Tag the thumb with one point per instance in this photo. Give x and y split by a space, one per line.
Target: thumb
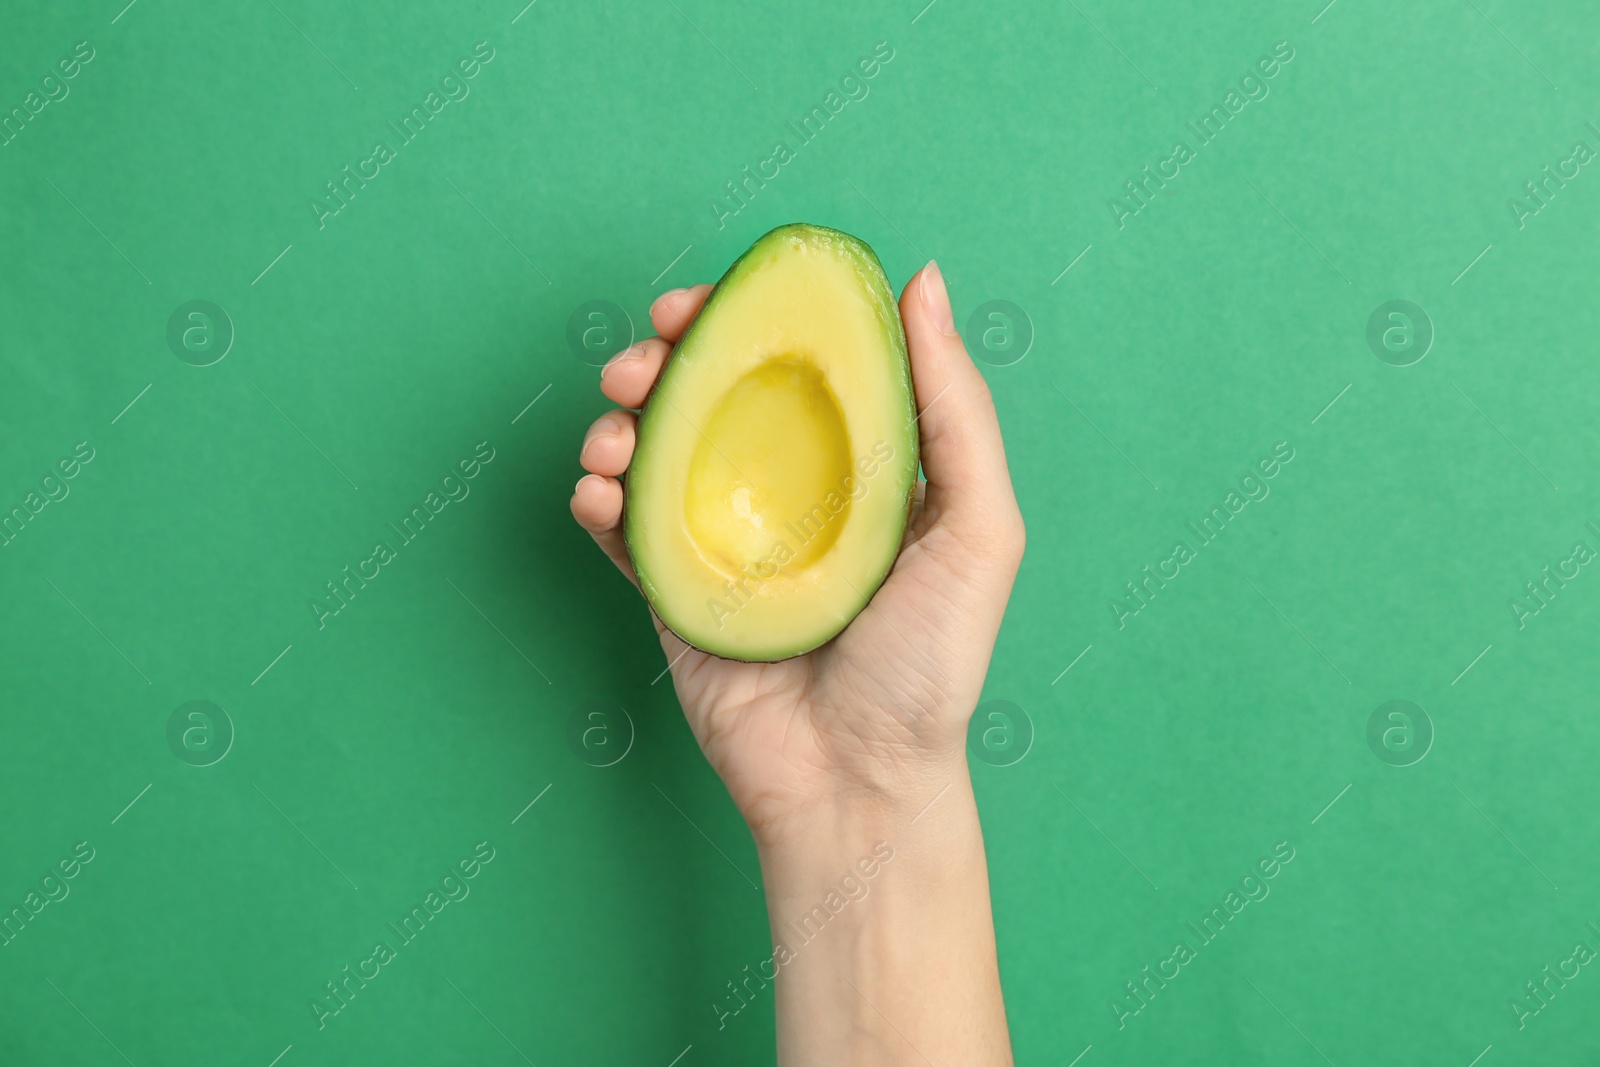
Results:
964 459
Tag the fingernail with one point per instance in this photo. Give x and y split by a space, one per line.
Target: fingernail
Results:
631 352
606 428
937 300
668 295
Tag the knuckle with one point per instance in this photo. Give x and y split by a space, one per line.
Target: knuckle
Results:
983 396
998 540
1017 535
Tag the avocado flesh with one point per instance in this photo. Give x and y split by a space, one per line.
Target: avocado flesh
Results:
777 455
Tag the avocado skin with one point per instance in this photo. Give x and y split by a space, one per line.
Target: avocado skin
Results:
891 314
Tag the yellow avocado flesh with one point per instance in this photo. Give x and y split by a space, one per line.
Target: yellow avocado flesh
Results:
775 444
768 493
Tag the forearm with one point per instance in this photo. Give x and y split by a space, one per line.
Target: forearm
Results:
883 936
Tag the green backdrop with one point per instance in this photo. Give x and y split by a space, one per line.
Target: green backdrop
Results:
478 713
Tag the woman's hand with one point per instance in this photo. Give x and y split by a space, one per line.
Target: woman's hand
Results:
878 716
849 763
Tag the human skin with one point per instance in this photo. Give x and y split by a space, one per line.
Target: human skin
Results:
863 740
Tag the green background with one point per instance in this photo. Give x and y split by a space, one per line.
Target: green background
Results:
377 351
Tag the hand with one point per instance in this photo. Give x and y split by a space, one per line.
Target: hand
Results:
876 718
847 748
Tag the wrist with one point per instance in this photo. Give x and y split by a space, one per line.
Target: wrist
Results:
855 889
856 806
922 833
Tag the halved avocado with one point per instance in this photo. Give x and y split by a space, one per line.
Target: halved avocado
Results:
777 455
